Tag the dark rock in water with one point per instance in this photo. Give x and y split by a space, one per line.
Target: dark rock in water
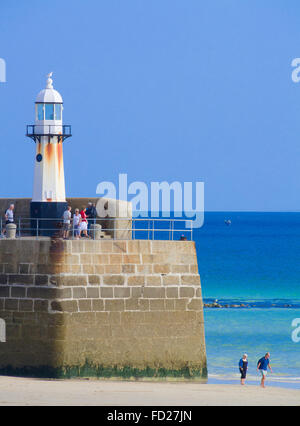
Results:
227 305
212 305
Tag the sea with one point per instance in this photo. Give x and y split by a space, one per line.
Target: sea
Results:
251 259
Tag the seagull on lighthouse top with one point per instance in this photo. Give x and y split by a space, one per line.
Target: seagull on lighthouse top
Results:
49 95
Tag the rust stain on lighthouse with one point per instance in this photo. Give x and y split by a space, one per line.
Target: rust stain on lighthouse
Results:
60 158
49 151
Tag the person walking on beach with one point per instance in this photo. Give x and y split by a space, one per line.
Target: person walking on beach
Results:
243 365
262 366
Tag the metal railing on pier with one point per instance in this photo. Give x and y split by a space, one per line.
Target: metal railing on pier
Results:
114 228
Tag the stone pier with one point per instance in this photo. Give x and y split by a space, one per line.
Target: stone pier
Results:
115 309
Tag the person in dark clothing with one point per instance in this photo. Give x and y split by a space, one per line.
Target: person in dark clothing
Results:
91 214
243 365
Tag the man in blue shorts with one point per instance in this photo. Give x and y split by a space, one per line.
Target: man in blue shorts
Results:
262 366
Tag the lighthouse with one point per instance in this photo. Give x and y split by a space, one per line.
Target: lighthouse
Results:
48 133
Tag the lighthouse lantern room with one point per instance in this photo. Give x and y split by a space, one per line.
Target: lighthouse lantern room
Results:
48 133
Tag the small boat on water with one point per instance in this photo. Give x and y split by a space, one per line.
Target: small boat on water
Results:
227 222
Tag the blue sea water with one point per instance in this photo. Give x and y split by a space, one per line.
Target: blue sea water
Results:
255 260
256 257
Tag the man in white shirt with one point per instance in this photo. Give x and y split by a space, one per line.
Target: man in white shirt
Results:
9 216
67 221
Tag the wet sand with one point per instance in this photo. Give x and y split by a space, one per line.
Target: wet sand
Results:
81 392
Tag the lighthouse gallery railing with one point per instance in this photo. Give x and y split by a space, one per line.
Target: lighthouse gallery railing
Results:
35 131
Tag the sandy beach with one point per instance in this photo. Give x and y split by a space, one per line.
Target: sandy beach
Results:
27 391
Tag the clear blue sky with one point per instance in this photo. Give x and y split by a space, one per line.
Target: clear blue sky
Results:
187 90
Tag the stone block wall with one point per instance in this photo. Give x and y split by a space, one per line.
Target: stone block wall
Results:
124 309
110 210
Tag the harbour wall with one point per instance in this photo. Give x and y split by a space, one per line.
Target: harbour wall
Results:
115 309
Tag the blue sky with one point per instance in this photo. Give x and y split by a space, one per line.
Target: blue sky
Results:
185 90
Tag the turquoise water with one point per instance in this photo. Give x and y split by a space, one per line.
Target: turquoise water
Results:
256 259
232 332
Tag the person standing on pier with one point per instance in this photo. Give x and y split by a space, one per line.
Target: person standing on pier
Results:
9 217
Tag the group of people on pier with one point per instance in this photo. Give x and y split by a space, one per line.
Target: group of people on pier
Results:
81 221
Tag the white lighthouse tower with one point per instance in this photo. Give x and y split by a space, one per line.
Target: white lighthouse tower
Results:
48 132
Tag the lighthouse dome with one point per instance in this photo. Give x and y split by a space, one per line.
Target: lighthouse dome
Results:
49 95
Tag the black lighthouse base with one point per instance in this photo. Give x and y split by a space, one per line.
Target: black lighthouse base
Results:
47 217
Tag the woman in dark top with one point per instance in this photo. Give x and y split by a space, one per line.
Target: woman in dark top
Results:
243 365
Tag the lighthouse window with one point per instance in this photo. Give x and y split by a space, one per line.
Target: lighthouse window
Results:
40 112
49 111
57 112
